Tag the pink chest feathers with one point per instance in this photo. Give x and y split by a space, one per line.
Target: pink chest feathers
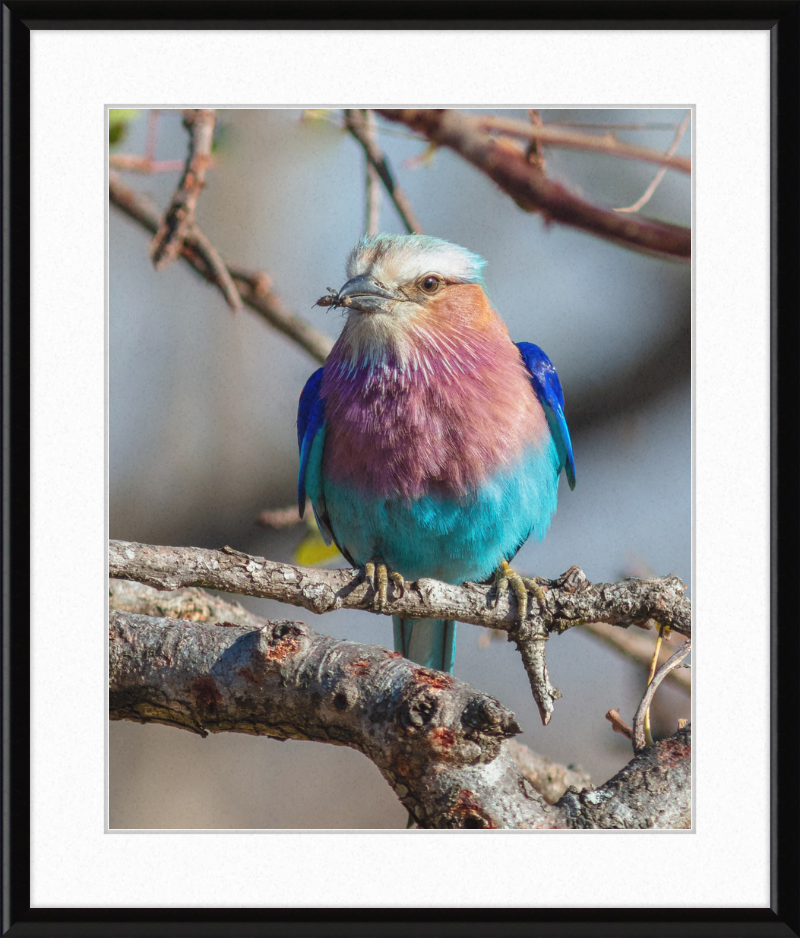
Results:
439 422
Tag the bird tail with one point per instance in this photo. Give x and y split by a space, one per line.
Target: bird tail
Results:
429 642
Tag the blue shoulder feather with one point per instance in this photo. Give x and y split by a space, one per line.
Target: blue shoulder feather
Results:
547 388
310 418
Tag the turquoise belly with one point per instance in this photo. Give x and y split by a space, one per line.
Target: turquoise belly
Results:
449 539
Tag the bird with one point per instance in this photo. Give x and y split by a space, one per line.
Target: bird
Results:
431 445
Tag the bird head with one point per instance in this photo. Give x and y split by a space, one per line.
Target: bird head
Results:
402 286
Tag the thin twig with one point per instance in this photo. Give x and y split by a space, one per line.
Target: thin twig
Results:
254 286
648 192
221 274
179 217
650 674
130 163
618 724
590 143
588 125
357 126
372 223
639 738
507 166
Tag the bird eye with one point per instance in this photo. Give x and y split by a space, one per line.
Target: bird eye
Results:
430 284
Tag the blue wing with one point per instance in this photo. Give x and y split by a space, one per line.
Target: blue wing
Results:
310 439
547 388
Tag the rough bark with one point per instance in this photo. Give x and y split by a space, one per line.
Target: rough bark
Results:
442 746
568 601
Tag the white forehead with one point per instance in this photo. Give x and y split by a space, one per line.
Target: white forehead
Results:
399 259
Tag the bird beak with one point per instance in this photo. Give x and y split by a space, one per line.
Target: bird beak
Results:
366 296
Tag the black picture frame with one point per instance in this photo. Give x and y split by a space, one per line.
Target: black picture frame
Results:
782 18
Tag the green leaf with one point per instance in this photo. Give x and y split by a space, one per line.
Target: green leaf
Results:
118 120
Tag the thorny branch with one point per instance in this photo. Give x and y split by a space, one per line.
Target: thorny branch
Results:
533 191
253 286
568 601
358 126
443 747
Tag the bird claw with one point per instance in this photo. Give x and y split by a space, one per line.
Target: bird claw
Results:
380 572
520 586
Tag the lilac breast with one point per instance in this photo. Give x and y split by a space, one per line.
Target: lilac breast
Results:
434 426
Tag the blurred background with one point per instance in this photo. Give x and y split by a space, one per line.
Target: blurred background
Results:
202 433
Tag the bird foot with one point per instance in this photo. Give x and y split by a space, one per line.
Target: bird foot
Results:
377 574
520 586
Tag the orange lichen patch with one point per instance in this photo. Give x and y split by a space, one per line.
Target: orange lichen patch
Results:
442 738
248 675
437 679
287 646
393 654
358 667
672 752
206 693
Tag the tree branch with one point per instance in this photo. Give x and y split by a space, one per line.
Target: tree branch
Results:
606 143
359 129
179 217
568 601
442 746
254 286
535 192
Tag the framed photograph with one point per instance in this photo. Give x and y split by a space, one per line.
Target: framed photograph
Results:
496 284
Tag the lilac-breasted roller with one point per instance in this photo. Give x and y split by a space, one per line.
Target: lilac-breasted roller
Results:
430 444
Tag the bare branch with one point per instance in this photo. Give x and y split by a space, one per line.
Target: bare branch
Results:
254 289
442 746
358 127
372 222
534 192
618 724
549 778
220 272
130 163
568 601
179 217
639 737
590 143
